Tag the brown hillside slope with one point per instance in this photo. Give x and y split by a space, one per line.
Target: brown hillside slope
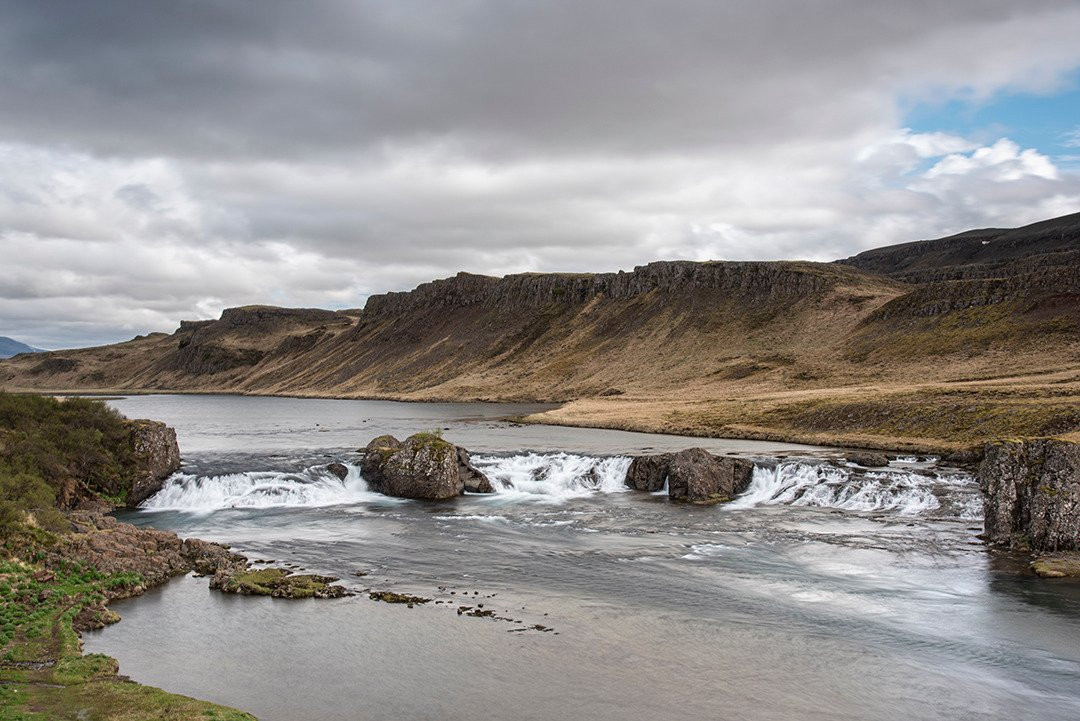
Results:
808 351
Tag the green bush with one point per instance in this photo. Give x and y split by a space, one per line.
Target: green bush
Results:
47 445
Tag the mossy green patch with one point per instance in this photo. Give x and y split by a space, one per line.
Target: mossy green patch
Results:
280 583
1058 565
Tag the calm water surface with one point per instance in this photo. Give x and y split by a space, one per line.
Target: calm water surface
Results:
825 592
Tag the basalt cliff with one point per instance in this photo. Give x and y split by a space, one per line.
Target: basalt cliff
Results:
939 344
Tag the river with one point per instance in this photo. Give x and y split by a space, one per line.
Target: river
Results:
826 591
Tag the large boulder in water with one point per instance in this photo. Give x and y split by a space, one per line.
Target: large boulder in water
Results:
648 473
693 475
422 466
1031 494
157 457
698 476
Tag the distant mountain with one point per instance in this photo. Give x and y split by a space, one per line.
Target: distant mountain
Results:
985 253
10 347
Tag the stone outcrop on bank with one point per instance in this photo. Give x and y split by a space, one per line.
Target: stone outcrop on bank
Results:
114 547
423 466
158 457
692 475
1032 494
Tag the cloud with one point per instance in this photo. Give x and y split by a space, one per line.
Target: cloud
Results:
159 163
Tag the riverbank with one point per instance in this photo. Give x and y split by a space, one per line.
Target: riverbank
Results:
48 600
63 467
56 585
948 419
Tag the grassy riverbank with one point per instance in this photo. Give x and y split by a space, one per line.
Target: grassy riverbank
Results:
43 673
55 456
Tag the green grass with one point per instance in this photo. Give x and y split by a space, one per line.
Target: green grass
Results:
36 626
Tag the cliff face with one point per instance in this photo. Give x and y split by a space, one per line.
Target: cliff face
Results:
765 282
1032 494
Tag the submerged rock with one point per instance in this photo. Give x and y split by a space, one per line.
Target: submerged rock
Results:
869 459
693 475
422 466
1031 494
393 597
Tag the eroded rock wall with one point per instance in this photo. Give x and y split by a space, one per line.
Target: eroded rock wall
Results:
1031 494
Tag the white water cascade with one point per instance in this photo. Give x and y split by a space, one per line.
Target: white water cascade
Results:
314 486
554 476
802 483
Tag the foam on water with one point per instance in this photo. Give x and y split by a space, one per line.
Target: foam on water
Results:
553 476
803 483
313 486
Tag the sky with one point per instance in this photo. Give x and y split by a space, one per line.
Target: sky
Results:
162 161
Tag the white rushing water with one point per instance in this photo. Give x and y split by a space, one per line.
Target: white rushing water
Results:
555 477
314 486
804 483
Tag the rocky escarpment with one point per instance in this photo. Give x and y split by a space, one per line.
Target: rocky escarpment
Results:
423 466
692 475
238 339
1032 494
744 349
765 281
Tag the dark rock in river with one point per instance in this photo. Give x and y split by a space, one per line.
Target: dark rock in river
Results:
339 469
648 473
700 477
423 466
158 457
869 459
693 475
1031 494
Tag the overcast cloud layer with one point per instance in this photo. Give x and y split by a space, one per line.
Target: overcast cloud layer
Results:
161 161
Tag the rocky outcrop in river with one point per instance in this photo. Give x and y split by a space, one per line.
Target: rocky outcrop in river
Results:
1032 494
158 457
422 466
693 475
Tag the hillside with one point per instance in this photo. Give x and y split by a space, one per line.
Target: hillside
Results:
10 347
934 344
